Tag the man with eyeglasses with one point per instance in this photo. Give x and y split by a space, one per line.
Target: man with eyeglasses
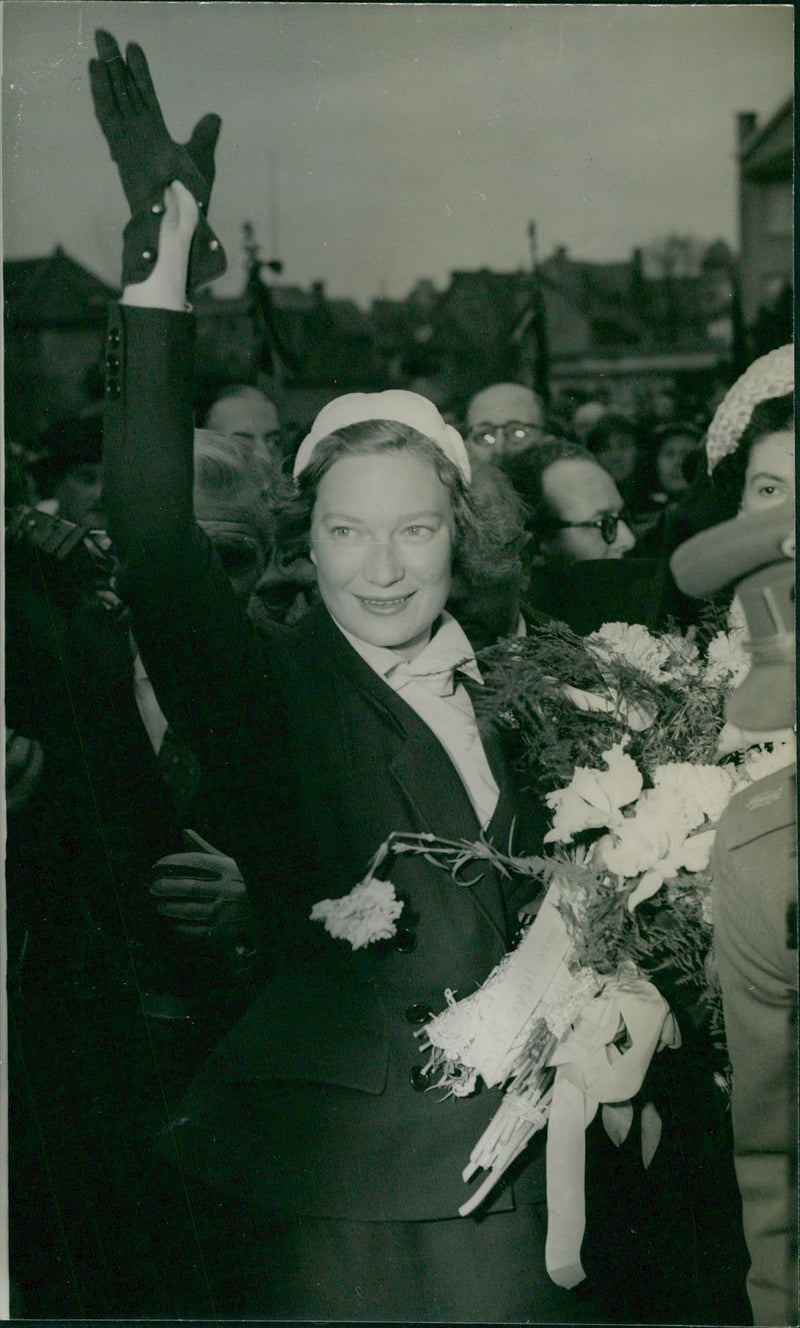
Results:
577 535
503 420
575 512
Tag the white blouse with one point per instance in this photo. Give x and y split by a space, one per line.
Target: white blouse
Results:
428 685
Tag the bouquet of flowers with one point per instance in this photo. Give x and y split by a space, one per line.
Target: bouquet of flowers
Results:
619 734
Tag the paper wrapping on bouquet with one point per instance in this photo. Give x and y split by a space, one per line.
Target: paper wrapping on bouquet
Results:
592 1070
488 1030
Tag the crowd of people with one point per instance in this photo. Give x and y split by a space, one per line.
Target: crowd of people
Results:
233 670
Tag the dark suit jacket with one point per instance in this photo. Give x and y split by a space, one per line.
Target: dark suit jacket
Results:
308 1107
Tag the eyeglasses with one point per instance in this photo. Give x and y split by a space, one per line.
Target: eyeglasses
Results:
514 431
607 525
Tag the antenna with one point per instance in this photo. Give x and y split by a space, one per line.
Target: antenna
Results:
274 214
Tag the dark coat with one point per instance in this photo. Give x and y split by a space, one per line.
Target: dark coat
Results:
308 1107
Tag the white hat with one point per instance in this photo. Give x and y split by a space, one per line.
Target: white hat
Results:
397 406
770 376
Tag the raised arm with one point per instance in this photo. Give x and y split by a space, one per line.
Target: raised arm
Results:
192 633
149 433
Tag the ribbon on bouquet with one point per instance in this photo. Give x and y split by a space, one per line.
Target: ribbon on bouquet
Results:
592 1069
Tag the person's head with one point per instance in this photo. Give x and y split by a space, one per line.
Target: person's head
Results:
761 472
750 442
585 417
244 412
487 585
574 506
674 444
70 469
382 508
230 504
502 420
614 442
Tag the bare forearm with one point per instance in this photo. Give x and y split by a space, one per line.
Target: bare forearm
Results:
166 286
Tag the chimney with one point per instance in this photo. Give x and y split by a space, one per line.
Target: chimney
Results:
532 245
746 122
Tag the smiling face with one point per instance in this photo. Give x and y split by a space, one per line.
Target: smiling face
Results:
381 541
769 478
580 491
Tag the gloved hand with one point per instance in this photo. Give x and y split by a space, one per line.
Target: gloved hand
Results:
202 895
148 160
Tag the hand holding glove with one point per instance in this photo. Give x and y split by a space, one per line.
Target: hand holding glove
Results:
148 160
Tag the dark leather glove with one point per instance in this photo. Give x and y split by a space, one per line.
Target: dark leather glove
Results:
148 160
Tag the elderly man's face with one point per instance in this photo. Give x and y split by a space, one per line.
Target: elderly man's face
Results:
503 420
586 501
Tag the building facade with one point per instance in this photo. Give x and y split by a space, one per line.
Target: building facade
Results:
766 216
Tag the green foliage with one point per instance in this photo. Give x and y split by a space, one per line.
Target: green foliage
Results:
524 681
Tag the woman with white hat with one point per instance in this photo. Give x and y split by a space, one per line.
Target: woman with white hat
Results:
750 441
331 1177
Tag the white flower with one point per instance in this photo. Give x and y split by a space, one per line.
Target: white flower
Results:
727 661
368 913
594 798
696 792
696 852
667 658
637 845
634 644
657 838
648 886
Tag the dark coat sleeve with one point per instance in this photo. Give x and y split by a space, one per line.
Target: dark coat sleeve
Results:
202 654
210 668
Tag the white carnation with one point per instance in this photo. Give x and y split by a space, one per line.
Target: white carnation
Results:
634 644
663 659
727 661
368 913
636 846
696 792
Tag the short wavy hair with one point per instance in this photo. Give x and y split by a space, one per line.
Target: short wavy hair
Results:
727 478
475 539
527 470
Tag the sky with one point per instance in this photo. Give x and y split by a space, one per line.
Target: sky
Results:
375 144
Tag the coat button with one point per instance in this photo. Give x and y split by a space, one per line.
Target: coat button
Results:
112 364
405 940
419 1079
114 337
113 390
419 1013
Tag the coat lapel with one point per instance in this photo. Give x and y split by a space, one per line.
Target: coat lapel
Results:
420 767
